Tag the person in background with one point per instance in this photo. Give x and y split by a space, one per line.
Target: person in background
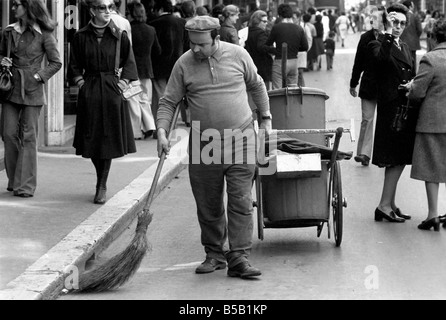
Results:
342 25
391 150
317 49
228 31
172 39
120 21
428 91
330 46
412 32
32 39
202 11
364 68
430 22
302 56
217 91
286 32
103 126
145 43
256 47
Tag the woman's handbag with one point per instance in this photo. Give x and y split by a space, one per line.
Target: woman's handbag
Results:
6 84
405 119
132 88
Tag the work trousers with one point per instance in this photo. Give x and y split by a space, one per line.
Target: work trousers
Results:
365 141
291 73
20 132
208 184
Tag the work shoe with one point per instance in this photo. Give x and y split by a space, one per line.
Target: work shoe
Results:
244 271
365 160
210 265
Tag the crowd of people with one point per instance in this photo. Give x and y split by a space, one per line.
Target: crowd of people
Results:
196 59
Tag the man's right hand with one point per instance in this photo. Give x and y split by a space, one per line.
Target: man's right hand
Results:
163 142
353 92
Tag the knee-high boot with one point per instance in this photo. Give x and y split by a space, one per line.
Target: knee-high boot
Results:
102 170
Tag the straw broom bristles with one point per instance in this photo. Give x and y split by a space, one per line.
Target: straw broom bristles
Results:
118 270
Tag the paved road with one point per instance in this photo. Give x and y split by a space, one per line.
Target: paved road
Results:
377 260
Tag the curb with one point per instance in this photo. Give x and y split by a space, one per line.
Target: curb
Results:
45 279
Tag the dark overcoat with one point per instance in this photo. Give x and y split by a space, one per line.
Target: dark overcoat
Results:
172 38
364 68
394 67
103 126
260 52
145 43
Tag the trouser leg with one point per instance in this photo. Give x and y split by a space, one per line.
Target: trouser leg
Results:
207 182
11 116
365 141
239 179
21 148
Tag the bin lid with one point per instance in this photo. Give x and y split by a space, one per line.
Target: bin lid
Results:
297 91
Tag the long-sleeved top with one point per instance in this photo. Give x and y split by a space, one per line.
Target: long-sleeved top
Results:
365 67
291 34
229 33
429 88
28 49
216 89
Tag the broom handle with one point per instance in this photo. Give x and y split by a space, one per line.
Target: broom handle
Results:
161 160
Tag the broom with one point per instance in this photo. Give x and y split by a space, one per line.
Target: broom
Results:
119 269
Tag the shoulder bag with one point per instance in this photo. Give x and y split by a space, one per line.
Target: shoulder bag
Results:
6 84
132 88
405 119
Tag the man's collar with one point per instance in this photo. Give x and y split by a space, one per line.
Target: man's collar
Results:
17 28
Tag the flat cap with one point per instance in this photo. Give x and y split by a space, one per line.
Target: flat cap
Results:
202 24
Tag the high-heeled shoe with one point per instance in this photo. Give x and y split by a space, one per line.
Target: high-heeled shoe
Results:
391 217
442 218
428 224
398 213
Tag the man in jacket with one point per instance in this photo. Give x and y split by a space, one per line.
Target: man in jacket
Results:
171 35
216 76
364 67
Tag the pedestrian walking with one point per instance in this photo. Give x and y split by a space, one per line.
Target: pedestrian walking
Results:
103 126
256 46
391 150
302 56
216 77
330 47
120 21
412 32
145 43
342 25
317 49
171 36
294 36
364 68
30 39
428 90
228 31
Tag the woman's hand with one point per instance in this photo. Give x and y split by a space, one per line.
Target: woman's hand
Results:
6 62
390 19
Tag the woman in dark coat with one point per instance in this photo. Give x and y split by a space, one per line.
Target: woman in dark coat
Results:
103 127
391 150
256 47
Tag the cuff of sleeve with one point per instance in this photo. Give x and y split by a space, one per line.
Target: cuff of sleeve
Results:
164 124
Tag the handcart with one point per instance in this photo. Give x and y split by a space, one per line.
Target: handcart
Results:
302 193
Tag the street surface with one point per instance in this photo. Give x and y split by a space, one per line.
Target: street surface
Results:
376 260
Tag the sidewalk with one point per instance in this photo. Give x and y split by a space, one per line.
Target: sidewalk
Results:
60 226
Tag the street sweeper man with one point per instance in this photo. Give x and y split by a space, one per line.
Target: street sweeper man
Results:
216 77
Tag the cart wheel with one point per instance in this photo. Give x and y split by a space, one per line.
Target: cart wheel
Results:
337 203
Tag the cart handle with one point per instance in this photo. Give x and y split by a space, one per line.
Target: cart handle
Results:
304 131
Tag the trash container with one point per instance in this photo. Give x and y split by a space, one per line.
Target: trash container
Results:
299 108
